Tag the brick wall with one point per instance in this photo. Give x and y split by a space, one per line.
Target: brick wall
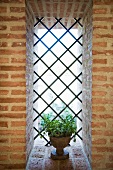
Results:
14 72
102 88
12 84
29 77
87 81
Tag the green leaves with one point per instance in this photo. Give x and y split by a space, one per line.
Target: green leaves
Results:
60 127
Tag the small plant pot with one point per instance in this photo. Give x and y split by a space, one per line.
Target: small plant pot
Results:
60 143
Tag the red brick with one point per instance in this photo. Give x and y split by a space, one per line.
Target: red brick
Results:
3 44
99 93
12 36
97 157
18 140
41 7
111 11
108 85
3 27
3 157
12 84
62 5
102 98
95 165
97 132
100 101
12 52
103 69
18 156
103 149
12 61
83 7
18 60
12 132
99 78
18 92
18 44
108 133
3 92
18 108
100 44
18 123
3 108
3 9
12 18
12 100
100 11
102 116
109 165
12 148
100 61
99 142
11 115
108 19
4 60
4 140
111 78
14 165
103 36
12 68
111 158
13 1
103 2
16 76
4 76
98 124
17 9
103 52
17 28
98 108
105 27
111 140
3 124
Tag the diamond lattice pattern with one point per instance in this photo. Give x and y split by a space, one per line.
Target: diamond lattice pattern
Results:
57 72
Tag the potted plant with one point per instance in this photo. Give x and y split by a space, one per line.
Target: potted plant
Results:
59 131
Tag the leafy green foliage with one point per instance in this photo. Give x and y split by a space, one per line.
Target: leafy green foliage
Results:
60 127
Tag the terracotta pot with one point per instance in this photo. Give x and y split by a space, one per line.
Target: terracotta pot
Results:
60 143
